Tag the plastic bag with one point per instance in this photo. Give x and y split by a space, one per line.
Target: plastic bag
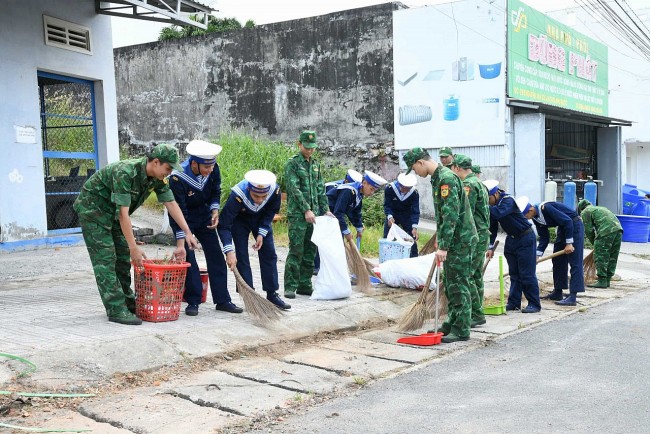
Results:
333 280
408 273
395 233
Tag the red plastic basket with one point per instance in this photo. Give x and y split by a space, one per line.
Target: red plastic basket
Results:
159 289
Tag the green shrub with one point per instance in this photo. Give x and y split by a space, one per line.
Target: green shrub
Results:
373 210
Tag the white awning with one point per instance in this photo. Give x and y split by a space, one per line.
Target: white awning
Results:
166 11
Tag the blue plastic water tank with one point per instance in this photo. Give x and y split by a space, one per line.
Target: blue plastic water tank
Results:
451 108
636 229
570 194
591 192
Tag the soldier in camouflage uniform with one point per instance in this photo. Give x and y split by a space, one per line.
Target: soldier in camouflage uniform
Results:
455 237
305 200
104 205
604 232
476 169
446 156
477 195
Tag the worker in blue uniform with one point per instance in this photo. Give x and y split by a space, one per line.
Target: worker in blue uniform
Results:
347 200
570 237
197 189
351 176
402 207
519 248
250 209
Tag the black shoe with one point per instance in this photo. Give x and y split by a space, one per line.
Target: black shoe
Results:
451 338
303 292
274 298
289 294
555 296
511 308
477 323
315 272
229 307
569 301
530 309
192 310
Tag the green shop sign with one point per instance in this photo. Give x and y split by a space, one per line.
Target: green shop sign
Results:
550 63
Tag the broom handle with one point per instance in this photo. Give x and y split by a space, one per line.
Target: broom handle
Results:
437 293
430 276
544 258
487 261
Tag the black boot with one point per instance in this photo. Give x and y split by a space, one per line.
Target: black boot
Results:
556 295
569 301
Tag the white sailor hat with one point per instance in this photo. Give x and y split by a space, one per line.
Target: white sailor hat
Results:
523 204
407 180
260 181
353 176
203 152
492 186
373 179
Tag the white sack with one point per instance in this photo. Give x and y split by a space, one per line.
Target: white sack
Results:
408 273
333 280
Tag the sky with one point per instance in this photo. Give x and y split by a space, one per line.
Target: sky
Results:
127 31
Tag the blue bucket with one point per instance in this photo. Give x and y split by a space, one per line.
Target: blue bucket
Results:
490 71
636 229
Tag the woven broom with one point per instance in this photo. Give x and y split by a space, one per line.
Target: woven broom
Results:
357 267
257 306
428 247
415 315
589 267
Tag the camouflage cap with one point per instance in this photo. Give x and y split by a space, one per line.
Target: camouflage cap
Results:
476 169
308 139
584 203
166 153
445 152
462 161
412 157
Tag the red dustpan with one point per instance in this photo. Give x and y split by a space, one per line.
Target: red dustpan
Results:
423 340
427 339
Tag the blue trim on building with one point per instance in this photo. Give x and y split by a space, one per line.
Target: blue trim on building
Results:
40 243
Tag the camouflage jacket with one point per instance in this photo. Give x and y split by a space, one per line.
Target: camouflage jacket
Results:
305 187
123 183
477 195
453 216
599 221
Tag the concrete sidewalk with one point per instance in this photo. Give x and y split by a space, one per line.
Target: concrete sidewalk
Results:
51 314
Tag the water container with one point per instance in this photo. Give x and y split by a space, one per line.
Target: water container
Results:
550 191
570 194
636 229
591 191
451 108
642 208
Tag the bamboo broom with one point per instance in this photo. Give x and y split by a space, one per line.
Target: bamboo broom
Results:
428 247
415 315
543 258
358 267
442 304
257 306
589 267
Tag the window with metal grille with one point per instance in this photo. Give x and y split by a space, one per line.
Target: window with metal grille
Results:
66 35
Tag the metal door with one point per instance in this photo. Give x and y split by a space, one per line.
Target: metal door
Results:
69 136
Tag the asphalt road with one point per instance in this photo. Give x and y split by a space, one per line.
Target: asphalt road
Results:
589 372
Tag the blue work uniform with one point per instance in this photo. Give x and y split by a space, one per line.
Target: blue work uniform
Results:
570 230
197 196
404 208
240 217
519 250
347 200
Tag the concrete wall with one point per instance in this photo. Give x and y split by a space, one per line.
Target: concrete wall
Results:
332 73
22 191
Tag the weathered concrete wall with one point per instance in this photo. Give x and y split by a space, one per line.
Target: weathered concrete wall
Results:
331 73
